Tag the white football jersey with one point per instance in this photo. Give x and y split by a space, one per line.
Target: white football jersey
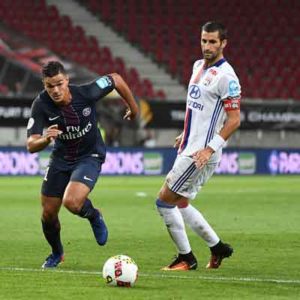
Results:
205 114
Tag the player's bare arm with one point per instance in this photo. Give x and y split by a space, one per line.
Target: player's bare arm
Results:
232 123
125 92
37 142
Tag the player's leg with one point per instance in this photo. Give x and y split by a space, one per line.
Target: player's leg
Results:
169 196
166 206
75 199
199 224
51 198
201 227
51 230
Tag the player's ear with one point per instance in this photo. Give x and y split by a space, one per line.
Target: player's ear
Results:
223 43
44 82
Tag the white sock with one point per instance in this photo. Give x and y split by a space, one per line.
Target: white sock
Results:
175 225
196 221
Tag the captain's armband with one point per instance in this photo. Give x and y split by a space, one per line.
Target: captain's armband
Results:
232 103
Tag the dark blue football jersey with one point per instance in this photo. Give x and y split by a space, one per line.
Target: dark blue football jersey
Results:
78 121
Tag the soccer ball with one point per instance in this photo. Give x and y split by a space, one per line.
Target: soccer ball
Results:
120 270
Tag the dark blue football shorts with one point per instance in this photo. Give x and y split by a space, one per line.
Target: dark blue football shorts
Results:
59 173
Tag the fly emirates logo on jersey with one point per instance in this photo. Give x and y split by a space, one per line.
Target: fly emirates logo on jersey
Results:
75 132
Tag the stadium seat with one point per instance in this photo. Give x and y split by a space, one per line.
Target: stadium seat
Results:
169 32
44 24
161 27
4 90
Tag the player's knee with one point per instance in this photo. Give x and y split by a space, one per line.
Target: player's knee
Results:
163 194
183 203
49 216
72 204
168 196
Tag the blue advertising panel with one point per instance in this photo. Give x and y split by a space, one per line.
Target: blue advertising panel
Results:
259 161
158 161
119 161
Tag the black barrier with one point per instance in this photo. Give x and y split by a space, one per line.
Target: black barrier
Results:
265 115
270 116
14 112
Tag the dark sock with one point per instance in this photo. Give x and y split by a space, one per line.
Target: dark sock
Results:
189 257
88 211
216 249
51 232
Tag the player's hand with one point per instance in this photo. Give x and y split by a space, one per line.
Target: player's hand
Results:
129 115
52 133
202 157
178 140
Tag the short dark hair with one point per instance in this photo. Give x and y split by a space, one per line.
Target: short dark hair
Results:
213 26
52 68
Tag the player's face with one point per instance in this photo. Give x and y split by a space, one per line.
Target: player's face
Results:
58 88
212 46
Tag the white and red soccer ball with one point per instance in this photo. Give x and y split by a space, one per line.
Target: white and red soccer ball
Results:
120 270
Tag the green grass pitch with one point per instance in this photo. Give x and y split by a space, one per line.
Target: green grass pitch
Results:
259 216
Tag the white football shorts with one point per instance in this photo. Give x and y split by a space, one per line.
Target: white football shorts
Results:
185 179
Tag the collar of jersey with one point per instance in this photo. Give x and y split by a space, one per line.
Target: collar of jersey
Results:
218 63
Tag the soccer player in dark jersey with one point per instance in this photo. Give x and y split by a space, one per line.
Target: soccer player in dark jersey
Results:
66 114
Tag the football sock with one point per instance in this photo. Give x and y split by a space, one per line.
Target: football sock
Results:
218 248
189 257
96 220
175 225
88 211
198 224
51 232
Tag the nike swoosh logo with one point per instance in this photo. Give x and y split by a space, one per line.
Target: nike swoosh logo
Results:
53 118
193 265
87 178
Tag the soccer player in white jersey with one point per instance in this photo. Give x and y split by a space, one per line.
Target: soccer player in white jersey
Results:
212 115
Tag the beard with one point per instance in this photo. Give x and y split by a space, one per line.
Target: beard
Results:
209 56
212 57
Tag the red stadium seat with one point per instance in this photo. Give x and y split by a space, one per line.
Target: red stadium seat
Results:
258 47
169 31
44 23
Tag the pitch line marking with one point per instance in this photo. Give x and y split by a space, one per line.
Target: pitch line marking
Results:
157 275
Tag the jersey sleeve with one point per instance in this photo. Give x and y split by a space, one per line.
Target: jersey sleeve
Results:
197 63
37 120
229 87
99 88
